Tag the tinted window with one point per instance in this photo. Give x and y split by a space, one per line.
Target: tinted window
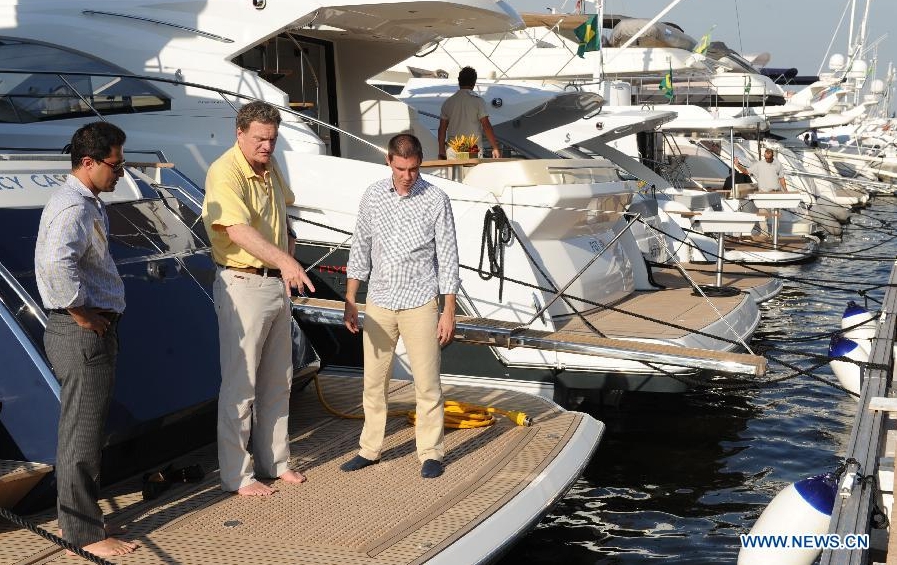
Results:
31 97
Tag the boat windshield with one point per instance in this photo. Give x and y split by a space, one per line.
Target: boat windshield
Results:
161 251
37 97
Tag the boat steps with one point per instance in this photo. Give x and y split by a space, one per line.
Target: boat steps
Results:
17 478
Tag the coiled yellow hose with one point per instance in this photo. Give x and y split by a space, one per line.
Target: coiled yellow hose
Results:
461 415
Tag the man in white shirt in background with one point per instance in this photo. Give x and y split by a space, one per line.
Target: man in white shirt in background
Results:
464 113
769 173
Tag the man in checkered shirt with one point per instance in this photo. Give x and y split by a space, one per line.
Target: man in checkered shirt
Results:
405 247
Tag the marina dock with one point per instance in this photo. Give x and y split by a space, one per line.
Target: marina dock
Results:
868 481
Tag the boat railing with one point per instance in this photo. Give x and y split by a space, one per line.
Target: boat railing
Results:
227 95
166 176
24 308
698 89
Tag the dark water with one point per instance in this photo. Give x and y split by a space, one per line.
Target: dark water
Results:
677 478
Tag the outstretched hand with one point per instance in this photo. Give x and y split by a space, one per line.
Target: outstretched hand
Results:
294 276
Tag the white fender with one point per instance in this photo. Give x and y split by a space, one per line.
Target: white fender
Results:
801 508
848 374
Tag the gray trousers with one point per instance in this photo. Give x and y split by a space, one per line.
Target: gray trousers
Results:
84 363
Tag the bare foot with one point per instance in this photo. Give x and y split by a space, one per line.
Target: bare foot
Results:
294 477
256 488
110 547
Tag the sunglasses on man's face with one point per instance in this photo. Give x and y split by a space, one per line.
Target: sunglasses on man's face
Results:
116 168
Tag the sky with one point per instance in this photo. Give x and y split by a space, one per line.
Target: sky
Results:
795 32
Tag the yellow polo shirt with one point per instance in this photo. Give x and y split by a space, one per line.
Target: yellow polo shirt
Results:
235 194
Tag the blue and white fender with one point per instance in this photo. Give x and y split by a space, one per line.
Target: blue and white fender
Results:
801 508
848 374
864 320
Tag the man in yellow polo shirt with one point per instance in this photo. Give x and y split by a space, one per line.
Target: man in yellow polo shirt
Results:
245 216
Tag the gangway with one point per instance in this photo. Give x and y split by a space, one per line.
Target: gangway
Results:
510 335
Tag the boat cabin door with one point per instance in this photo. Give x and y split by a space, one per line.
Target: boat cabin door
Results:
303 68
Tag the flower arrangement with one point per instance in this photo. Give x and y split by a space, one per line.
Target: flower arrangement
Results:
464 144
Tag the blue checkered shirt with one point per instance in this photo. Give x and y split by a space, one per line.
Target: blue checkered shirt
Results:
72 263
405 246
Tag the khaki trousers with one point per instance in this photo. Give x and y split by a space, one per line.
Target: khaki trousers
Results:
256 375
417 326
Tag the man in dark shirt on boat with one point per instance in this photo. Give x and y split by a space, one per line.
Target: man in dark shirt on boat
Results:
405 246
81 289
244 213
769 173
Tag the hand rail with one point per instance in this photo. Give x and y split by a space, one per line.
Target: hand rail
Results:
27 300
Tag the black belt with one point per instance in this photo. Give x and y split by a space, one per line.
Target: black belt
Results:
260 271
108 314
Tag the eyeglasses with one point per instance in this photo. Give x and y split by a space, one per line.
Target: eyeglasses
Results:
116 168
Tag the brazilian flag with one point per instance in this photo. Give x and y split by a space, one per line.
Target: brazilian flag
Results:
666 85
701 47
587 34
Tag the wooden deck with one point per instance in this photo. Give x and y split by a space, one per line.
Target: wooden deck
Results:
383 514
741 277
671 306
573 336
787 243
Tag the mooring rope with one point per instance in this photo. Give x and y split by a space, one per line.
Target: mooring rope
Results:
497 234
80 552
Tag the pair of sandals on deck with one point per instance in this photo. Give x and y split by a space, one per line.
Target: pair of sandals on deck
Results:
156 483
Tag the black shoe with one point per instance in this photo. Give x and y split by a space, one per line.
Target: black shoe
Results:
154 484
357 462
431 469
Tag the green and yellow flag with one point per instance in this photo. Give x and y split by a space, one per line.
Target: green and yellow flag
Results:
666 85
588 36
702 45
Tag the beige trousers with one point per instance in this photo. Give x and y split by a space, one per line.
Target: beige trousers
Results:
417 326
256 375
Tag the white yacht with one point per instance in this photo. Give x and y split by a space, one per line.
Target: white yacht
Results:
546 51
188 69
499 480
615 133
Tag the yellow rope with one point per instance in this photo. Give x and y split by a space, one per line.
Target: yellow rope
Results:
460 415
